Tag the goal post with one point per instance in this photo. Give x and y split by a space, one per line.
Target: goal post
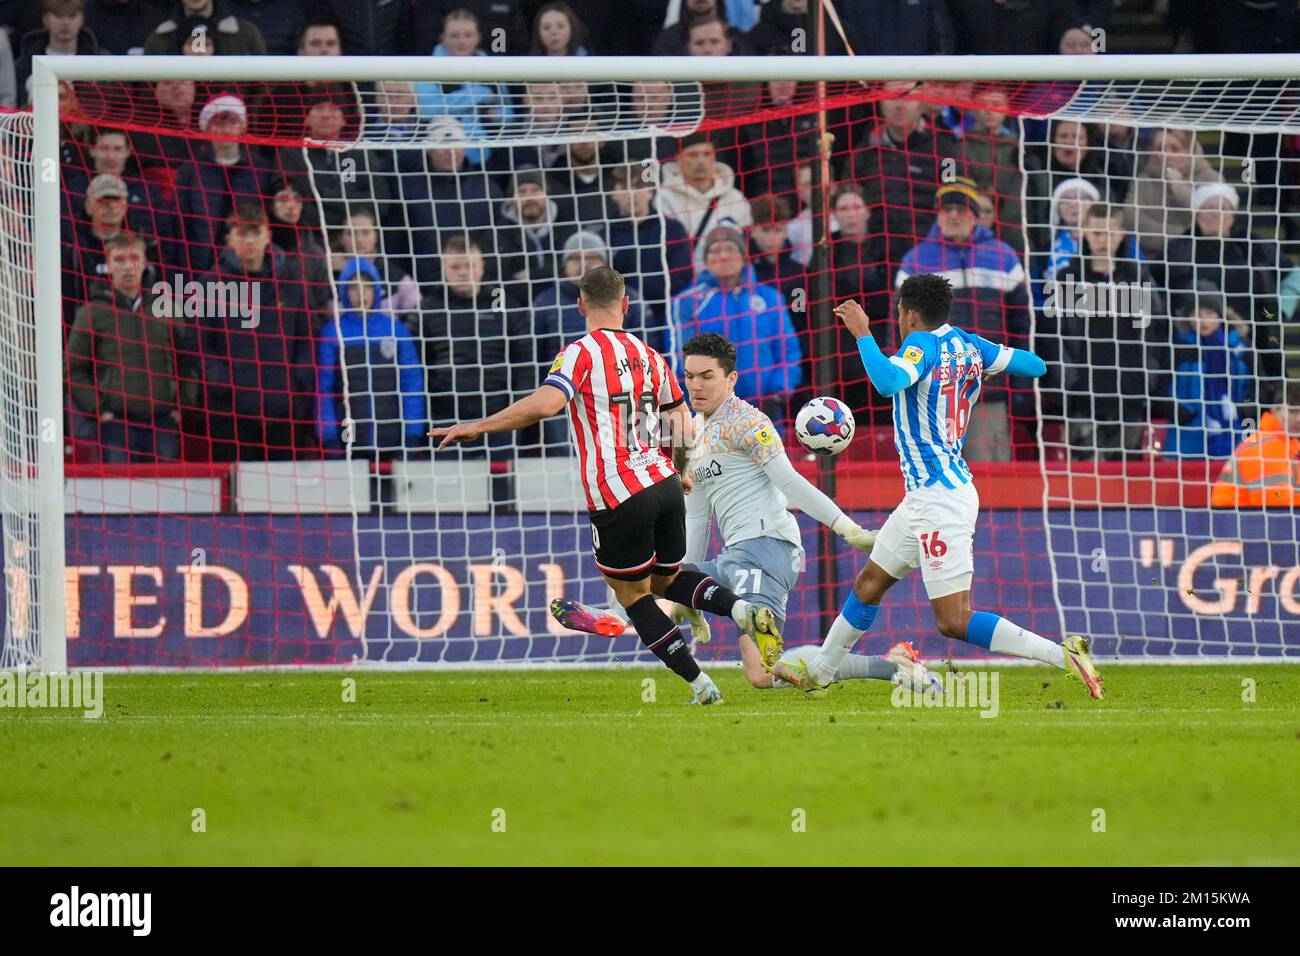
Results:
425 565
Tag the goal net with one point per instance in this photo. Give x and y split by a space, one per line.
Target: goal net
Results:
272 290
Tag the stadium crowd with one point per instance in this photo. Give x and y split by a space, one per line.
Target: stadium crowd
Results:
439 283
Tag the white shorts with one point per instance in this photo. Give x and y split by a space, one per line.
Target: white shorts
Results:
932 529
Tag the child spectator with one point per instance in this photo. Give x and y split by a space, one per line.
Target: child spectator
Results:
557 31
1212 376
371 380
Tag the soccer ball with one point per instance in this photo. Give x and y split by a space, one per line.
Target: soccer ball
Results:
824 426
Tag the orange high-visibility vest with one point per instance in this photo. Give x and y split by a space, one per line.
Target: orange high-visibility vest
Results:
1264 471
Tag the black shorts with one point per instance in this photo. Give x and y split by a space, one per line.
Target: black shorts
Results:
644 535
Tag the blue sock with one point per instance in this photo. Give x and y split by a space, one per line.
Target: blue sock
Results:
979 630
860 615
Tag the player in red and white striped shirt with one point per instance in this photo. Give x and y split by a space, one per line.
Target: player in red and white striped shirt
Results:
618 391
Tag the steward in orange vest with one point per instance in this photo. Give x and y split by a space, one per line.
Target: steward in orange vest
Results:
1264 471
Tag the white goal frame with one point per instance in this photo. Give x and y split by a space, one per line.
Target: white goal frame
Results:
47 71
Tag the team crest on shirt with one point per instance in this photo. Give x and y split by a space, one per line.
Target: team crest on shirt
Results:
559 360
913 354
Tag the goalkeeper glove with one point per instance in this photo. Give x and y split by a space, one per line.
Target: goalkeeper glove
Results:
854 534
700 630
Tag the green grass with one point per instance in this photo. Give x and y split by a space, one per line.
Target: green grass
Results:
588 773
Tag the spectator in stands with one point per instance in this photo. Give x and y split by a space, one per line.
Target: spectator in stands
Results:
769 253
159 153
801 226
295 228
1114 354
85 263
279 21
360 236
342 177
1289 296
995 26
256 339
233 36
557 31
370 27
857 250
642 242
1070 201
573 180
723 100
1069 158
674 39
1220 250
991 152
374 357
502 20
1168 176
152 213
1265 469
727 299
1211 378
649 105
478 345
320 36
63 31
773 147
700 192
442 196
990 298
393 117
883 27
128 363
899 167
483 109
223 173
529 235
122 26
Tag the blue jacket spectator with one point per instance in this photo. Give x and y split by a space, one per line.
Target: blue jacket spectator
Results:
483 109
1212 376
375 355
727 299
990 298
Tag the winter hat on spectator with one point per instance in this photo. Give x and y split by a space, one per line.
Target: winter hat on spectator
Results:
443 129
225 103
105 185
530 175
1207 191
1208 296
724 234
959 192
586 241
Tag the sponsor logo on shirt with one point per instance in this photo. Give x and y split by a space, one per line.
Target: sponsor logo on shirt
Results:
764 435
559 360
913 354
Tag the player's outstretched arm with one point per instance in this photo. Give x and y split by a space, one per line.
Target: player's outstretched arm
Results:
803 494
1026 363
543 403
887 377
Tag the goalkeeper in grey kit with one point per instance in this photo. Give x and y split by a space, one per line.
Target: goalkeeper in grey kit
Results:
738 474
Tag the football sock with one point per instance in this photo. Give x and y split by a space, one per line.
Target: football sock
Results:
698 590
1001 636
862 666
664 638
853 621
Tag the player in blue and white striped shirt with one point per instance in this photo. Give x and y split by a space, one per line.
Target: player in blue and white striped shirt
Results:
935 382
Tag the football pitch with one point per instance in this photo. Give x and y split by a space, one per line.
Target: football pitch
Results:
581 767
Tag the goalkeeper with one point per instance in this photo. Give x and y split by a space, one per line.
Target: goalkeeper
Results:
738 473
